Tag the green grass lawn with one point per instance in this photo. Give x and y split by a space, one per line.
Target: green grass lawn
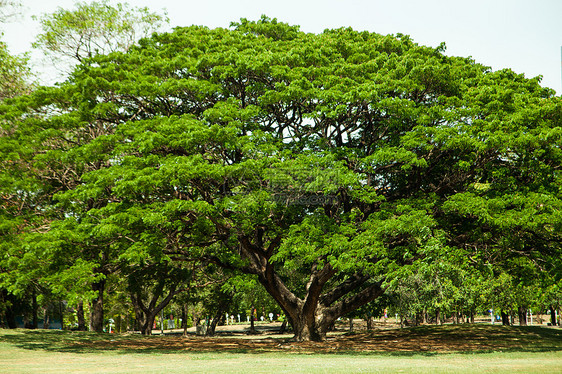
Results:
533 350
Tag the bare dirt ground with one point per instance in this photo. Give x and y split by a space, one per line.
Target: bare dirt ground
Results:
383 338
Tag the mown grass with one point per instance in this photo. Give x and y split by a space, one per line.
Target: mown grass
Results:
530 349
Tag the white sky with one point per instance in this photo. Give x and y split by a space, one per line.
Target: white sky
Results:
524 35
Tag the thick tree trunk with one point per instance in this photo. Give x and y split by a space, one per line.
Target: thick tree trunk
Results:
369 320
306 329
505 318
552 316
96 310
184 314
80 316
253 316
522 314
61 315
421 318
146 313
147 324
34 309
145 318
9 300
283 327
184 318
10 318
312 315
219 315
311 318
46 318
212 327
118 324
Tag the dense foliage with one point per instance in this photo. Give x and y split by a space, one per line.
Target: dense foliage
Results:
330 167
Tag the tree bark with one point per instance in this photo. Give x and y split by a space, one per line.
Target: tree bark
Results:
146 328
253 315
216 319
10 318
283 327
9 300
34 309
369 320
219 315
184 318
312 316
80 316
46 324
146 314
96 313
552 315
505 318
522 314
61 315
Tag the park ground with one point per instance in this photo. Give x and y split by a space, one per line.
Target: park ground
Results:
466 348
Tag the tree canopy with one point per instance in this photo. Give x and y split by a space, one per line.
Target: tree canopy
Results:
8 9
328 166
94 28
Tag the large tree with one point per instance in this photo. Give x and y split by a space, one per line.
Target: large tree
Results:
324 165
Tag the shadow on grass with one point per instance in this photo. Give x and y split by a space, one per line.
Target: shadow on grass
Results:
424 340
468 339
59 341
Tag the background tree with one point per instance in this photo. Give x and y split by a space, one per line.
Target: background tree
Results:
152 288
15 74
14 71
71 36
9 9
99 28
250 296
16 191
551 300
